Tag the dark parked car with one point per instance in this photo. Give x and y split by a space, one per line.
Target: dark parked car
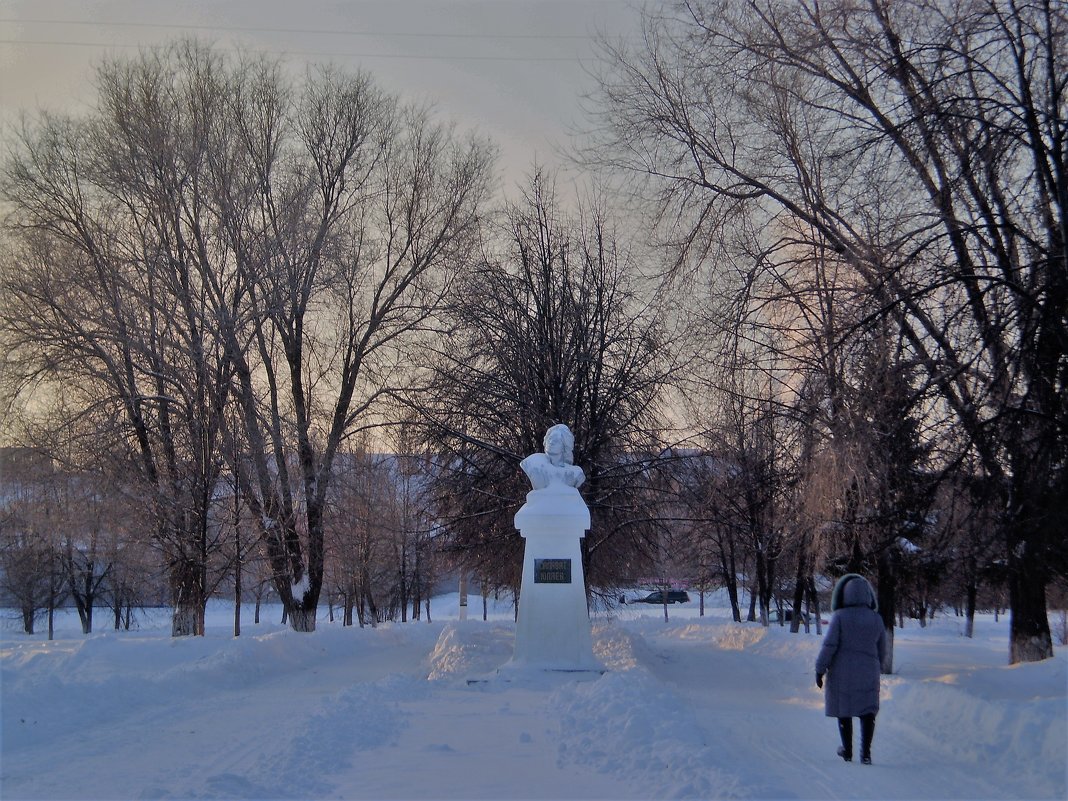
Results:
657 597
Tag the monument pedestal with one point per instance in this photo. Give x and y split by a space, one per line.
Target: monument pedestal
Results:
553 628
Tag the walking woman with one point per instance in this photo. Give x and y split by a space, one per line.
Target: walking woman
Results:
851 658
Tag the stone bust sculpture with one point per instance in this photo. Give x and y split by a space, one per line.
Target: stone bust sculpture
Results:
556 465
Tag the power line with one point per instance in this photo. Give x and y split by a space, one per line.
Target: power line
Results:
347 54
315 31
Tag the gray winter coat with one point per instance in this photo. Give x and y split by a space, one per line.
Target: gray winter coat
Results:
853 650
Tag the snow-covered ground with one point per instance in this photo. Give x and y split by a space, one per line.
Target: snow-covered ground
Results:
691 708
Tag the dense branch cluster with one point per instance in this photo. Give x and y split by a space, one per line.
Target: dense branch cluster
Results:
892 172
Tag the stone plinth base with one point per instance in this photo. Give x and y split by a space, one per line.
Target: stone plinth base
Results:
553 629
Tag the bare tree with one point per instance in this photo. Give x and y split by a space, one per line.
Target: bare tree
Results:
86 557
365 537
922 144
32 575
217 234
101 296
967 533
413 546
61 499
34 580
134 566
362 209
549 328
749 492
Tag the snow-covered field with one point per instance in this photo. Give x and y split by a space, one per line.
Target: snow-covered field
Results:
692 708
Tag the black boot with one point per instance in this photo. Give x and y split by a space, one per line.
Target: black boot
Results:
867 733
845 731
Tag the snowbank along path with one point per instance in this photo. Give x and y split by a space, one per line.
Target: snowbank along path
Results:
694 708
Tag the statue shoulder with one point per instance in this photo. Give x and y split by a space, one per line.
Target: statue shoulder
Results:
535 461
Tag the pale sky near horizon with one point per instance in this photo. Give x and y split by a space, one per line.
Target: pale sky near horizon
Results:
512 69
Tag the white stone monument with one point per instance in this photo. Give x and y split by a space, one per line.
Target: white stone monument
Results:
553 629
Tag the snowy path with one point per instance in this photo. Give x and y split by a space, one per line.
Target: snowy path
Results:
281 716
693 708
765 718
196 722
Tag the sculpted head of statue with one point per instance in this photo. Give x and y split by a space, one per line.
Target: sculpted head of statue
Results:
559 444
556 464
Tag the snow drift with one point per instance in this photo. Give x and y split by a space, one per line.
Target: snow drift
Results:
692 708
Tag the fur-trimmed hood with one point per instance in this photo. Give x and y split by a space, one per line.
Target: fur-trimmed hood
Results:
853 589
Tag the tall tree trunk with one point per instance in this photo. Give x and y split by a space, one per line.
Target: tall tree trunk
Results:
814 604
417 583
237 566
972 593
730 577
85 611
302 618
463 594
189 601
349 600
732 594
1030 639
402 580
184 619
1034 522
799 589
83 597
887 600
237 599
763 585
